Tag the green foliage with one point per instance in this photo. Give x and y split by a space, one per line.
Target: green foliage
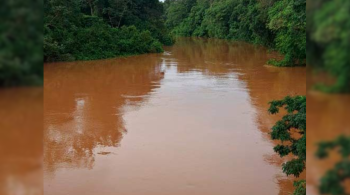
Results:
177 11
20 43
288 19
332 182
96 29
278 24
300 187
191 25
248 23
329 41
291 131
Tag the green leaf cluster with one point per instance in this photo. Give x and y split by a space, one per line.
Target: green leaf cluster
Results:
333 181
291 131
300 187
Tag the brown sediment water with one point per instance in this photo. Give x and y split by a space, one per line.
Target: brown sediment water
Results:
190 121
327 119
21 145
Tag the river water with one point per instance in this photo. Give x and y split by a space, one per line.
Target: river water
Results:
21 141
190 121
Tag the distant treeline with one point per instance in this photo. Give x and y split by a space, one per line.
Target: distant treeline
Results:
96 29
277 24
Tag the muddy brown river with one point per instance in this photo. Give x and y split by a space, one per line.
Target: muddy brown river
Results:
190 121
21 141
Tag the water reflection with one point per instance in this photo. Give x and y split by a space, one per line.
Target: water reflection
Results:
220 58
196 122
215 56
84 106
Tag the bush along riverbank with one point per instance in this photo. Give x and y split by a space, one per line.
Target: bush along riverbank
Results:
87 30
278 24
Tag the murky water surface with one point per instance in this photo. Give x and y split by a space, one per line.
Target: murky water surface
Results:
21 146
327 119
190 121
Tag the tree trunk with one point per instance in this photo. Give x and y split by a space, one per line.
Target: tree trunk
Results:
91 8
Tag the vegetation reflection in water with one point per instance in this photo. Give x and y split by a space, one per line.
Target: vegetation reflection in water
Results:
145 119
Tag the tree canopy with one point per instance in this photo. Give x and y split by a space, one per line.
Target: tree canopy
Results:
329 41
95 29
21 43
278 24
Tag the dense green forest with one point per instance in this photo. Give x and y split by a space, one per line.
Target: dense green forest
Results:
97 29
277 24
21 43
92 29
328 41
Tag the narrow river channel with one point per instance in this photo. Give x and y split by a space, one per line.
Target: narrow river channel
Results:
190 121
